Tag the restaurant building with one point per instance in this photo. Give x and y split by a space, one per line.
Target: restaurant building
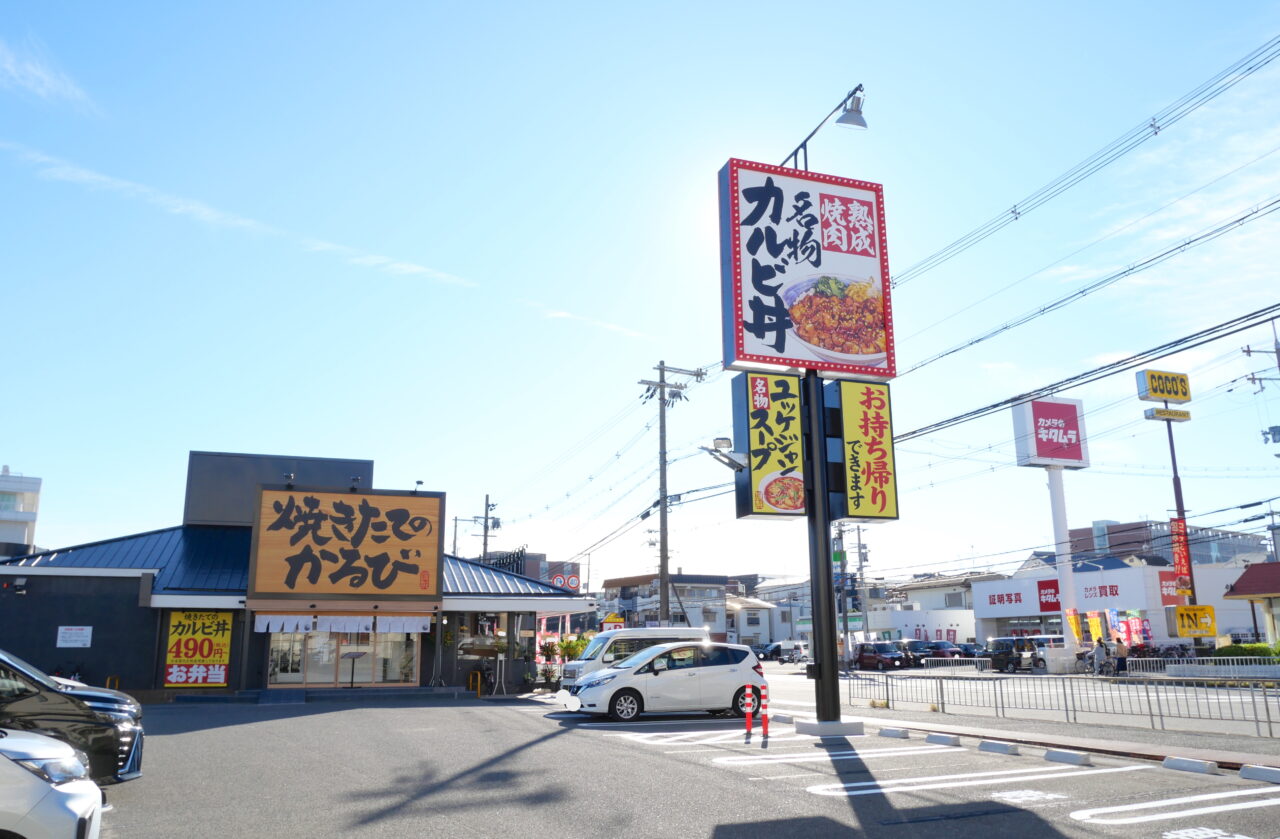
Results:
286 573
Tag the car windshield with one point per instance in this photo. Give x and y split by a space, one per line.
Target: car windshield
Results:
886 648
917 645
943 645
635 659
593 649
35 674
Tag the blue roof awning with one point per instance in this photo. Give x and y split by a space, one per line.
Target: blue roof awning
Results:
214 560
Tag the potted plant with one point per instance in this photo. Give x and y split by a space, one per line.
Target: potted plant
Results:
551 677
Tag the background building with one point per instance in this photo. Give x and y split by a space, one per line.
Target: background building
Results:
19 504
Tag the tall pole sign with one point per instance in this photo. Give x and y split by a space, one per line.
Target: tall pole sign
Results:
805 279
1165 387
1049 433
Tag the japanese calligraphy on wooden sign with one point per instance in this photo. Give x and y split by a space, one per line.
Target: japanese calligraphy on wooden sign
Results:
766 423
371 546
871 484
1050 432
199 649
805 272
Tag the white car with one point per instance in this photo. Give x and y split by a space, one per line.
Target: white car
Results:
680 676
45 791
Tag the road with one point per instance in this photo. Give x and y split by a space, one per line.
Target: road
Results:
426 768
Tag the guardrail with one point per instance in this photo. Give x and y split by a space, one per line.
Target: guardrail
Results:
1253 704
1208 666
981 665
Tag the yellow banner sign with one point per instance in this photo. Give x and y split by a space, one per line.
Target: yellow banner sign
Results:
1196 622
1161 386
1169 414
199 649
766 418
871 482
365 546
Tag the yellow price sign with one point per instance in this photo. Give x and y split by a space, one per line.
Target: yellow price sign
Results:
1196 622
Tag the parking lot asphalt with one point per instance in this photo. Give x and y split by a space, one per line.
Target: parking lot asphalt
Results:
427 767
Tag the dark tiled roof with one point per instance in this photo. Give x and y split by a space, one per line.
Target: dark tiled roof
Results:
1259 580
187 560
213 560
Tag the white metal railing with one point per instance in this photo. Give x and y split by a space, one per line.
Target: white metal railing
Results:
1206 666
979 664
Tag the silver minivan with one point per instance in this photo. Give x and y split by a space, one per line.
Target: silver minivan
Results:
617 644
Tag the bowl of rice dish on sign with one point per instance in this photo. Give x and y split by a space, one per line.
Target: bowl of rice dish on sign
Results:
838 318
784 493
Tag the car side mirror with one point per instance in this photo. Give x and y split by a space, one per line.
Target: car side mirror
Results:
659 665
608 657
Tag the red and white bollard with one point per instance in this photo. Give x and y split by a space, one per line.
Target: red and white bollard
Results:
748 705
764 710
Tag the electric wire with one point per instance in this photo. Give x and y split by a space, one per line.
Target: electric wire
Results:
1100 159
1252 214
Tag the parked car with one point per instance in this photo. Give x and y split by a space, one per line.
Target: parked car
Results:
972 650
671 677
45 791
1010 654
105 724
617 644
796 651
917 649
1040 643
943 649
880 655
772 652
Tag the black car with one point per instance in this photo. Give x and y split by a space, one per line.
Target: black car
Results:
916 651
972 650
105 724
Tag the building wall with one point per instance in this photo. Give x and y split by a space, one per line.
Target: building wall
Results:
124 642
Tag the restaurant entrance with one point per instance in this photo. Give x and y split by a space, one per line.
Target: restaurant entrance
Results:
336 659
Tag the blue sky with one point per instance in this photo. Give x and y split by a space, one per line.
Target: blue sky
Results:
452 239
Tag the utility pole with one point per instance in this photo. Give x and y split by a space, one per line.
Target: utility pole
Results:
660 390
838 547
863 593
488 508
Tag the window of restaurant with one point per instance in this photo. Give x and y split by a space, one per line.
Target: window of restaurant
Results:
333 659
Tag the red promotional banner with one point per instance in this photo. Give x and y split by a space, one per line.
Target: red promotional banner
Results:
1181 555
1048 595
1169 589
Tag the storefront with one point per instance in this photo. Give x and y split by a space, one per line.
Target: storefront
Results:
278 587
1126 600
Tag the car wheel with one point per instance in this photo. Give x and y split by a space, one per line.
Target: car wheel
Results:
625 706
1011 667
740 702
879 665
1040 663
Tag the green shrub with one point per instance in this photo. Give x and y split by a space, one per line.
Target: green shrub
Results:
1237 650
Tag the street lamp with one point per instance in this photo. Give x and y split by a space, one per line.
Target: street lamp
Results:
852 117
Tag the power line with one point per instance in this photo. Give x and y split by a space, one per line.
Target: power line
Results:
1252 214
1191 341
1100 159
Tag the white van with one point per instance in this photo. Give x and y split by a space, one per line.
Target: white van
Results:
617 644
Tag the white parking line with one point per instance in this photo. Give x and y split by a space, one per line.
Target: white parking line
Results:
1091 815
824 757
1015 776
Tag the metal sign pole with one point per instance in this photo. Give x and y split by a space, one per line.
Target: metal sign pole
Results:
821 589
